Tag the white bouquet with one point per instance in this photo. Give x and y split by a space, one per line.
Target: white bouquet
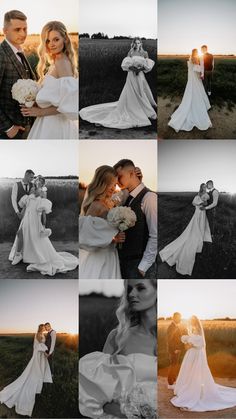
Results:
25 92
121 218
140 403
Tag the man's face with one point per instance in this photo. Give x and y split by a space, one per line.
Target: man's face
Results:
177 319
16 32
204 50
124 176
209 185
29 177
47 327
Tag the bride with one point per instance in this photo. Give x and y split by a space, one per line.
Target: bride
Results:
192 112
56 108
182 251
21 392
195 389
122 380
136 104
98 257
38 250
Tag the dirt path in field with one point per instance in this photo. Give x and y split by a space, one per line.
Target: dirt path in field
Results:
223 122
7 271
91 132
167 410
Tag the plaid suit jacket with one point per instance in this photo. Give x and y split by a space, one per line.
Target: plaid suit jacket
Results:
10 71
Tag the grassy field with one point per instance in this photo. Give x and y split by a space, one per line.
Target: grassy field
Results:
64 217
172 77
220 345
217 260
32 43
57 400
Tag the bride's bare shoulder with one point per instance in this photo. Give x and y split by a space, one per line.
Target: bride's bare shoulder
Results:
63 67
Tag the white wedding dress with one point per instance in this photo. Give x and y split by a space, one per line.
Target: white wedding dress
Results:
104 378
182 251
38 250
192 112
63 94
135 105
21 393
98 256
195 388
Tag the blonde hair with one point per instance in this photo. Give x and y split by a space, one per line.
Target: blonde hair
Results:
95 190
13 14
195 324
44 56
127 318
133 44
194 56
39 334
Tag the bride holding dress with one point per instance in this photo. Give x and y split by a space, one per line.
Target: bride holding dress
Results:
136 104
57 100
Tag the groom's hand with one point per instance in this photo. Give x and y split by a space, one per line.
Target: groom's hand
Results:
14 131
19 215
141 273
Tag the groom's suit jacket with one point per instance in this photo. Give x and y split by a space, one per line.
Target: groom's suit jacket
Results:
11 70
50 341
174 338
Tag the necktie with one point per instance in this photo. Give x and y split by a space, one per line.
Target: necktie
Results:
25 63
26 187
128 200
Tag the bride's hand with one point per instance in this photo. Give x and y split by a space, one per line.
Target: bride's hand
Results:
119 238
34 111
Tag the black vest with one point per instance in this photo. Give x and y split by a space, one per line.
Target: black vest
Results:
48 341
21 191
208 61
210 193
137 236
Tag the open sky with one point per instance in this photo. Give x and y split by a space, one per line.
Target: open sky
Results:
95 153
108 287
43 11
206 299
187 24
24 304
49 158
119 17
184 165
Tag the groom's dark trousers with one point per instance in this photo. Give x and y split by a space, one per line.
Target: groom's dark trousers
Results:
211 215
174 348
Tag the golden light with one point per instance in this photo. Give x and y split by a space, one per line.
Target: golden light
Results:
118 188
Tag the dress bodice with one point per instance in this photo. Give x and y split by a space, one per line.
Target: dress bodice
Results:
137 61
145 366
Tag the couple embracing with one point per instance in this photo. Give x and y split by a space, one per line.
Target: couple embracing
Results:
194 386
118 230
54 114
21 393
32 244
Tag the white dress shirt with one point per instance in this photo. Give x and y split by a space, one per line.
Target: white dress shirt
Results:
14 195
53 343
15 50
149 208
215 196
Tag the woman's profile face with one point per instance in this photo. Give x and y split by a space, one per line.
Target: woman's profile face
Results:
204 188
111 187
141 294
55 42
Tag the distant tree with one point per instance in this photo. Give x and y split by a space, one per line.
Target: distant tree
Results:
99 35
122 37
84 35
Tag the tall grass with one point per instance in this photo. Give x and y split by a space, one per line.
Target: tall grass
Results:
220 346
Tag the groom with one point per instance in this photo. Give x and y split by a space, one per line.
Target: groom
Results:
211 205
175 347
50 342
13 66
208 63
138 253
